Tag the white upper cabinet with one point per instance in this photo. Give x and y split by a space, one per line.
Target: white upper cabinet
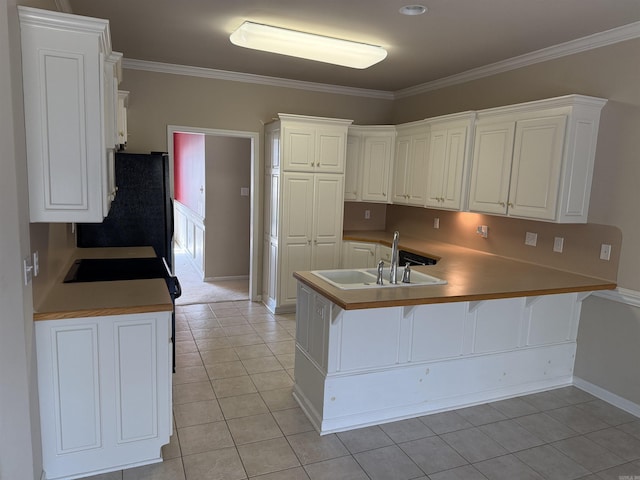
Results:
369 158
535 160
410 164
448 160
69 115
313 144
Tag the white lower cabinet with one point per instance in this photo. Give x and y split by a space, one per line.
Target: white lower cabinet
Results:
356 368
359 255
105 392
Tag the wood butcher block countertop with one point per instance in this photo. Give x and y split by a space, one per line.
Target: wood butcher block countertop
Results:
471 275
93 299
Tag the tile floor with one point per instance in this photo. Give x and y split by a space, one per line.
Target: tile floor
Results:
235 418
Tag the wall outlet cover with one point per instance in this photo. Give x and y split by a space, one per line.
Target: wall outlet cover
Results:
558 244
605 251
531 239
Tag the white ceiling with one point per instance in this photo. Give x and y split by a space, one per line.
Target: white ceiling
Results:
454 36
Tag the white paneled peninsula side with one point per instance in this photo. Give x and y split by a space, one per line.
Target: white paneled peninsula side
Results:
371 356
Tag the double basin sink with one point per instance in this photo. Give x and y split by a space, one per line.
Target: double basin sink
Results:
350 279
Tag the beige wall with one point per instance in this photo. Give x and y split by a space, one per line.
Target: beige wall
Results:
227 213
159 99
611 72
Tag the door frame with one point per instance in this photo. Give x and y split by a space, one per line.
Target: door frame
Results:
254 216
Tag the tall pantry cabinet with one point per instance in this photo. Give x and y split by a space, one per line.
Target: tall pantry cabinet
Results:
304 194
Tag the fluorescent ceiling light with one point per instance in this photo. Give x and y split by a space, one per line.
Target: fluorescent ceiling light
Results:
307 45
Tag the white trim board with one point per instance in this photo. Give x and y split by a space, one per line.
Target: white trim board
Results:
590 42
609 397
620 295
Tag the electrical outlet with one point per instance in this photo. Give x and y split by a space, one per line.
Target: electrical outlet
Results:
605 251
558 244
483 231
367 214
531 239
436 222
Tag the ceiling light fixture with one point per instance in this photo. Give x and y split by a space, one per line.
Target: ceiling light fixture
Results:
307 45
413 10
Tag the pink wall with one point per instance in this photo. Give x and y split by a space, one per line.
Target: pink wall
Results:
188 170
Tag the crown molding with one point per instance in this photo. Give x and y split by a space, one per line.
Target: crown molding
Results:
174 69
590 42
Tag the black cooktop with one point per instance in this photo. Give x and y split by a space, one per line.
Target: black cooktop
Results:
112 269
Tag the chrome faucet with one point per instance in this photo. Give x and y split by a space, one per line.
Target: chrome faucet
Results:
380 268
393 277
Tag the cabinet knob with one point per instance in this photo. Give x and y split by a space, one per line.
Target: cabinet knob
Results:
502 204
384 194
308 242
510 205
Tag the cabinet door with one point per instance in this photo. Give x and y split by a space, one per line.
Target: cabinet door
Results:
436 167
492 153
352 168
376 165
330 150
453 172
298 145
360 255
63 96
416 175
400 165
537 163
327 221
297 230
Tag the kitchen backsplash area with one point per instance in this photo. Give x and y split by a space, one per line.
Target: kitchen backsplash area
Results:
581 244
54 243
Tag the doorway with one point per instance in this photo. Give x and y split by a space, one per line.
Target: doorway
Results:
251 192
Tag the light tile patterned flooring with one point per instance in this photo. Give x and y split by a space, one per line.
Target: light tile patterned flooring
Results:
235 418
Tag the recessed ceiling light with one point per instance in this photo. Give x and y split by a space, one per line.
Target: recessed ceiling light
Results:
413 10
307 45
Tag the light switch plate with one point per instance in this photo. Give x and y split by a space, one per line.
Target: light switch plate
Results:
436 222
558 244
605 251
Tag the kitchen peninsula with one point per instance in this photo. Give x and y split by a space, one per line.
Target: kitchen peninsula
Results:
497 329
104 371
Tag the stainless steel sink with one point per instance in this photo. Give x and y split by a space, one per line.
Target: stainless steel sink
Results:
349 279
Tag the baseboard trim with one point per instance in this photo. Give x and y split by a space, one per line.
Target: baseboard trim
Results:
224 279
620 295
609 397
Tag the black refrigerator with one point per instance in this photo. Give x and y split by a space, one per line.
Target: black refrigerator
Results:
142 212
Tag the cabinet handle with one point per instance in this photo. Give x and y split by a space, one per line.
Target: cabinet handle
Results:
308 242
370 252
315 242
510 205
384 194
502 204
